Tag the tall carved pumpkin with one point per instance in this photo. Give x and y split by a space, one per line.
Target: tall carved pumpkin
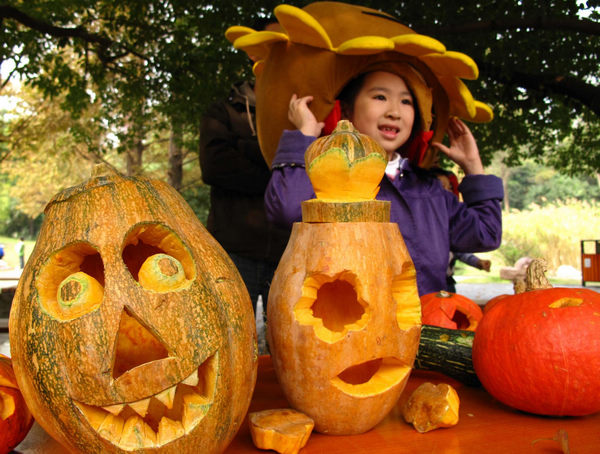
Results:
344 313
131 329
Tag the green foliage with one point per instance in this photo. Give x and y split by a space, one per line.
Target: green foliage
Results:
553 232
533 183
154 61
198 197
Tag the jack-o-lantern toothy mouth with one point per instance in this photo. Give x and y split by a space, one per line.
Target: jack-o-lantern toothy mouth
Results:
371 377
158 419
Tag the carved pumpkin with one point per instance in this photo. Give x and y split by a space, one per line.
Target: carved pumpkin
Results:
344 314
131 328
450 310
345 165
539 351
15 417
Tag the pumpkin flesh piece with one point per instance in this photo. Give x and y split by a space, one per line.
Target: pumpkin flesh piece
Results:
161 273
283 430
431 407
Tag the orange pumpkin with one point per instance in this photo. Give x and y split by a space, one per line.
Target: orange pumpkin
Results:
345 165
450 310
344 313
131 329
539 351
15 417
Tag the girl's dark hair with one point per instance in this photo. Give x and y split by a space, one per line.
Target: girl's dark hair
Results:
349 93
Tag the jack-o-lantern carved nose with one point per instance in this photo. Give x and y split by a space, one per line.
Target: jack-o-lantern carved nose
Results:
136 345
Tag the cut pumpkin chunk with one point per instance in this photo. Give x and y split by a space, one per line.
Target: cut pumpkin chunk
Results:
283 430
432 406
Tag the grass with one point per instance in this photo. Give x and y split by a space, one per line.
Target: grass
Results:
10 256
552 232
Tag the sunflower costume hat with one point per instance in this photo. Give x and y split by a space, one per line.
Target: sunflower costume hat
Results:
326 44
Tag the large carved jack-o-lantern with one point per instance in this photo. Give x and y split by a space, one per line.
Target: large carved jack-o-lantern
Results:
343 313
131 329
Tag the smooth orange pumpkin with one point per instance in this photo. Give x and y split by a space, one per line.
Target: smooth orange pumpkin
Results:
344 315
450 310
15 417
131 328
539 351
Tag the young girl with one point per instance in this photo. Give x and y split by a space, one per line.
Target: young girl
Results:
432 221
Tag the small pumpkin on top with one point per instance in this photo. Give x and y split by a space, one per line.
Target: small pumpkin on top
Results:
346 165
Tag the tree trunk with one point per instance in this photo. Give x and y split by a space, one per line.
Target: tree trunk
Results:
134 158
175 172
505 175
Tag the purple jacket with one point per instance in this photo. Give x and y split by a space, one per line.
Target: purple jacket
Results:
431 219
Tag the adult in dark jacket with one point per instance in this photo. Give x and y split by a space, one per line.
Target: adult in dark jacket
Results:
232 164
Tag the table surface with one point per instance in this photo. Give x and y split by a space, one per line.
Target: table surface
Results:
485 426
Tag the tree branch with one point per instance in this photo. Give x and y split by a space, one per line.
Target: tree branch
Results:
586 94
539 23
102 42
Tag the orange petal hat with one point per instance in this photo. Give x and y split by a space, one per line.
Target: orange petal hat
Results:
324 45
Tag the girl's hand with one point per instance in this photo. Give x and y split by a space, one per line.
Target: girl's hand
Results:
463 148
302 117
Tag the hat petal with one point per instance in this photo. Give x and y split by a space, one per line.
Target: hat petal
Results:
415 44
451 63
365 45
302 28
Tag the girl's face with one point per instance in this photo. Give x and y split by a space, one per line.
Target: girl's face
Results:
384 110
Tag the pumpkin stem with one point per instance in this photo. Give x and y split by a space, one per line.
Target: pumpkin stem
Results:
535 278
344 125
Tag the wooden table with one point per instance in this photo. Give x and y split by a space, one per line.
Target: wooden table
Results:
485 426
